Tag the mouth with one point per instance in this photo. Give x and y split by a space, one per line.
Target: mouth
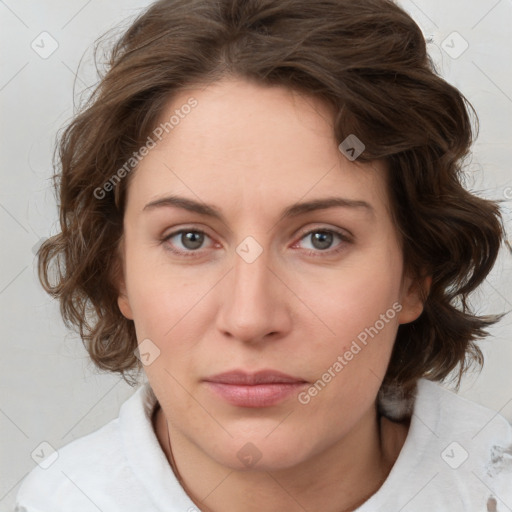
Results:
264 388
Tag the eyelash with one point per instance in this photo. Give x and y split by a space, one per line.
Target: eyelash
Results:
318 253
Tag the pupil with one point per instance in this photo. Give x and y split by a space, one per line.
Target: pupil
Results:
325 240
192 240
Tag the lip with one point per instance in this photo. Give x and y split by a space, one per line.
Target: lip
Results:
263 388
242 378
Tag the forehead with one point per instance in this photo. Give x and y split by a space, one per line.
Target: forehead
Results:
254 146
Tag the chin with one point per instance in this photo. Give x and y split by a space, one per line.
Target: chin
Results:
260 453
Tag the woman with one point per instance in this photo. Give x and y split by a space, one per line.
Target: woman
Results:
261 208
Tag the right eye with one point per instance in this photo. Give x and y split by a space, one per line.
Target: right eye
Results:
190 239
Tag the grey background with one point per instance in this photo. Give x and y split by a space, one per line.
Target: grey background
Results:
49 390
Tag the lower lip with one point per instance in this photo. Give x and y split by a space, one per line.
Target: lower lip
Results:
259 395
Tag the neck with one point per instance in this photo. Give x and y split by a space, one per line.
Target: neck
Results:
337 479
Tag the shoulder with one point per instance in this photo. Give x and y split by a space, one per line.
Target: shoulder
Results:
448 411
465 448
457 456
67 473
80 474
470 435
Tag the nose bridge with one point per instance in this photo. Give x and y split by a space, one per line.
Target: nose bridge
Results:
251 275
253 304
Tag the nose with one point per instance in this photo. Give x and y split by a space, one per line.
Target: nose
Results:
254 301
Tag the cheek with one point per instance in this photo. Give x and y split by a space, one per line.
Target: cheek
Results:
161 298
346 369
358 308
354 297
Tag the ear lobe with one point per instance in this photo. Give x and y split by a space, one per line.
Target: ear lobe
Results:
122 298
414 298
124 306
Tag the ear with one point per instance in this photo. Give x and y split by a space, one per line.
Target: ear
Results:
120 284
414 293
124 304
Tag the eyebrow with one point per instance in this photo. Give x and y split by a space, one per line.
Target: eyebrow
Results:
291 211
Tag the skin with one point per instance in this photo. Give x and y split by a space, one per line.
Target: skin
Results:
251 151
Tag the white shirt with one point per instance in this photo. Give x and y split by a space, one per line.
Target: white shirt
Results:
457 457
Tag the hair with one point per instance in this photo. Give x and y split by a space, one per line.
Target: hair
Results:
369 62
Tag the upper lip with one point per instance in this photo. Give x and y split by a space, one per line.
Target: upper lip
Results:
240 377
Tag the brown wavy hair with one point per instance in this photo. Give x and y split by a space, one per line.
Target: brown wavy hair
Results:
366 59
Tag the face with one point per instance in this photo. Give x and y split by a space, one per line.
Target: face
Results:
236 276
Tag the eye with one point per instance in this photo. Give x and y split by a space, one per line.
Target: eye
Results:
190 239
322 240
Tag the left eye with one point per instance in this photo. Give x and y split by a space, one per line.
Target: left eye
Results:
322 240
